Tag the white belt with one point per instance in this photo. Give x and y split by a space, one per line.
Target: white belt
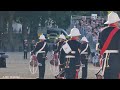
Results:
84 53
73 52
41 52
69 56
111 51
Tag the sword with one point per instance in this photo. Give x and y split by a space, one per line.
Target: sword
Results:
61 72
103 67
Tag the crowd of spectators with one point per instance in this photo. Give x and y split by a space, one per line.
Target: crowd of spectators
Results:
90 27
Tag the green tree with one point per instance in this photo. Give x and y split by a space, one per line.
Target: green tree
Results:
10 30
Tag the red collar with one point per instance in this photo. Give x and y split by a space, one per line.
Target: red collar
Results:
73 38
112 25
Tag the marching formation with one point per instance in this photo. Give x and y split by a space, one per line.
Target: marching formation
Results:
73 53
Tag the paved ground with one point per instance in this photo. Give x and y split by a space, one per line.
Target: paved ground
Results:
18 68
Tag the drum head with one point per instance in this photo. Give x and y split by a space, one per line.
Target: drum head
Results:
33 65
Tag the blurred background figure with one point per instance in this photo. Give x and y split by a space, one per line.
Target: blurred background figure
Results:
25 46
33 45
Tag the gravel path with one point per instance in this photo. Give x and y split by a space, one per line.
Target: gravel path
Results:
18 68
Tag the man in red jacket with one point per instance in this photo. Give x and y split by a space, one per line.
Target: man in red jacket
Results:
109 45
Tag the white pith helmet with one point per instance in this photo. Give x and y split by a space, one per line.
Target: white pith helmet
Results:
84 39
62 36
42 37
74 32
112 18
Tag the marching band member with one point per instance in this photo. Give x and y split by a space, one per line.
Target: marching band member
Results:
70 55
85 52
62 39
25 45
41 50
109 45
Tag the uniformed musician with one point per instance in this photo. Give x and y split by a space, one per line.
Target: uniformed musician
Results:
62 39
85 52
70 54
111 52
41 50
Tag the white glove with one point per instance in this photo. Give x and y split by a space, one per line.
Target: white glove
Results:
39 64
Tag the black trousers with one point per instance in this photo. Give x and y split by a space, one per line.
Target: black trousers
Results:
85 68
70 73
25 55
112 72
42 71
41 60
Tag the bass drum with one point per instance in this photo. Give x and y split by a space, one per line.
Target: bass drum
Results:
33 64
55 60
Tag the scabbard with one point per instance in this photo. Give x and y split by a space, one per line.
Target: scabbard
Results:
76 76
